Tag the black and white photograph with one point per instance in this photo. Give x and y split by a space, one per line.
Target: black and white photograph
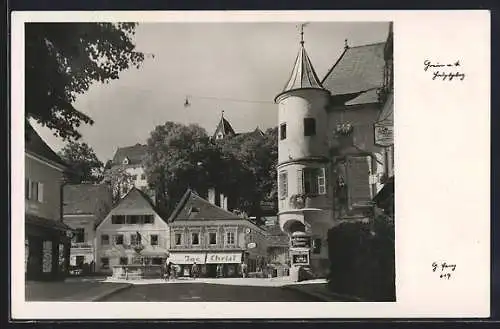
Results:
224 161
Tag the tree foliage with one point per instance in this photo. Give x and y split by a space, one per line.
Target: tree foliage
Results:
119 180
62 60
84 164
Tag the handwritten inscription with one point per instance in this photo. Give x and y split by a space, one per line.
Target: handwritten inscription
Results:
444 269
445 72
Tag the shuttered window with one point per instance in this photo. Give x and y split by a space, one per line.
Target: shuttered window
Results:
358 180
314 181
300 181
40 192
283 184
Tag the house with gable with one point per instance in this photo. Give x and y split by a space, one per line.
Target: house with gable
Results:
130 159
133 232
84 206
209 235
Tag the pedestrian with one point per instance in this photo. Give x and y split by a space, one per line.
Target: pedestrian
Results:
219 270
194 270
244 269
166 273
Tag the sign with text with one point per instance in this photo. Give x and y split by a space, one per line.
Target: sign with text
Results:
300 258
384 134
301 241
224 258
187 258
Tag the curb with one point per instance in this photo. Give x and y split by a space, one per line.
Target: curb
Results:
109 293
326 297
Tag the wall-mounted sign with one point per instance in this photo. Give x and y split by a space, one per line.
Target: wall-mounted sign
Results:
300 258
384 134
251 245
300 242
187 258
225 258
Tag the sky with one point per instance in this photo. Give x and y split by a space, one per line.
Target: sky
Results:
237 68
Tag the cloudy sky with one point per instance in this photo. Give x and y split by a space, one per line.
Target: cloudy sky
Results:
235 67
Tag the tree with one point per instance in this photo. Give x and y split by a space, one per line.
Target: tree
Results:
119 180
258 156
63 60
181 157
84 164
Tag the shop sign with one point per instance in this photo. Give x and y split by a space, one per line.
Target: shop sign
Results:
184 258
301 241
300 258
384 134
225 258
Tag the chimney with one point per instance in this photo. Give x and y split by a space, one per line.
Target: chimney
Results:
223 201
211 196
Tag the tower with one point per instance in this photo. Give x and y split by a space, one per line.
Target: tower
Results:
305 198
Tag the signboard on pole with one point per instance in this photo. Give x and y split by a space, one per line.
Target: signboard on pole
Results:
384 134
299 257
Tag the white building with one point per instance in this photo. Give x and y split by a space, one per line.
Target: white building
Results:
132 233
130 158
329 166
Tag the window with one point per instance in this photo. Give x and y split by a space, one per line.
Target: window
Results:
154 240
118 219
105 263
33 190
282 131
133 219
309 127
230 238
148 219
178 239
314 181
27 190
123 261
283 184
212 238
104 239
119 239
135 239
134 177
143 176
79 236
316 248
195 238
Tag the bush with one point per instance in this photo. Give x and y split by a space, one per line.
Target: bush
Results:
362 259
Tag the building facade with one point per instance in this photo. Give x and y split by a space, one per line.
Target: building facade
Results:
132 233
47 238
204 233
330 168
85 205
129 159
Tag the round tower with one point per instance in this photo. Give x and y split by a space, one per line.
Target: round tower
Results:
305 197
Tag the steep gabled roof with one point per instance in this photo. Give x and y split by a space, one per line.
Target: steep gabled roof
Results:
193 207
34 144
134 154
358 72
86 198
303 74
225 127
134 202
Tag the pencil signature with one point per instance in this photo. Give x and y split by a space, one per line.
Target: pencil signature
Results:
444 269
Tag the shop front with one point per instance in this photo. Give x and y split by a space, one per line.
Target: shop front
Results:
185 260
47 248
228 262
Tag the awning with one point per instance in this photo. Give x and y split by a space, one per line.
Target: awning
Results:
154 252
187 258
224 258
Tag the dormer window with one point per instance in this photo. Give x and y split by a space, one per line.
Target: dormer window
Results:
126 161
219 136
193 211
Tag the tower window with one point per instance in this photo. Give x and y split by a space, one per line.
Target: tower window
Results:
309 127
314 181
282 131
283 184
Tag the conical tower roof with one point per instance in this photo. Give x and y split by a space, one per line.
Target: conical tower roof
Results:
303 75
